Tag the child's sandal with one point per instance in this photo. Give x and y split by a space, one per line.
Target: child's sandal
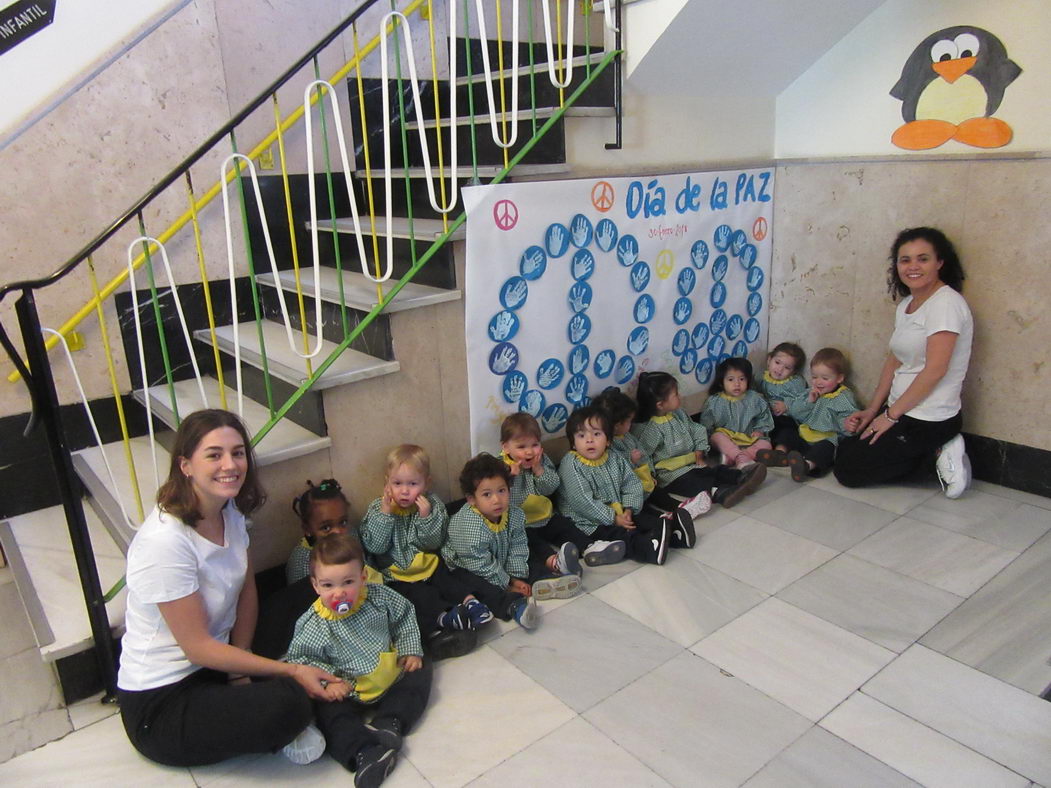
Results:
772 458
797 465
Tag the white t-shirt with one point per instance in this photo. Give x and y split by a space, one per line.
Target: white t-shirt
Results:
946 310
169 560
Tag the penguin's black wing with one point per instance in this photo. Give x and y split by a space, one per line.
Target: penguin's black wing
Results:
916 75
994 69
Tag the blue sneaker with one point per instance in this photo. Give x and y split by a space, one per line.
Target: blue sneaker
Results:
455 618
477 612
526 614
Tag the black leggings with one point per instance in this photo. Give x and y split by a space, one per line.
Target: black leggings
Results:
821 453
898 453
433 596
202 719
691 483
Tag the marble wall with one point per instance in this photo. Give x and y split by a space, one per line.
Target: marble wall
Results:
833 228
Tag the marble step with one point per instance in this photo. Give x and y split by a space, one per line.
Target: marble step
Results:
351 365
284 442
428 229
522 116
38 543
359 292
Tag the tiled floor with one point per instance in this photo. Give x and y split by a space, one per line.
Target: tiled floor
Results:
816 636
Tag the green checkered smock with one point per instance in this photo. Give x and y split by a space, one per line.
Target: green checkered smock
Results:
625 444
396 538
826 415
784 390
493 552
527 483
590 487
668 436
298 565
745 414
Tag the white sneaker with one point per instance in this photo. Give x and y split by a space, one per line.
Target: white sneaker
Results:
954 468
697 505
600 553
307 747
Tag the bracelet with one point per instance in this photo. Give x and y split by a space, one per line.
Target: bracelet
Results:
887 416
231 677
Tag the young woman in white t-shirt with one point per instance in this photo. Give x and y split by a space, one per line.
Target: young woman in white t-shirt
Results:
183 684
915 410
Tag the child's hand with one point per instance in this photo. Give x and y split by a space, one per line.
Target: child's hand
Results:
624 520
424 505
517 586
516 468
387 500
636 456
410 663
757 433
698 457
538 463
338 690
812 395
778 407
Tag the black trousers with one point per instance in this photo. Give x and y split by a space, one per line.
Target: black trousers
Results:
785 428
278 614
899 452
433 596
343 721
822 453
559 529
637 540
202 719
501 601
693 482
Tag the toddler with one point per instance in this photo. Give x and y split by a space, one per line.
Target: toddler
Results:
533 480
677 446
821 415
737 418
366 634
403 532
780 384
487 546
603 496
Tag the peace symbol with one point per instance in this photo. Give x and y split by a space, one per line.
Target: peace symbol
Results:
505 214
602 195
665 263
759 229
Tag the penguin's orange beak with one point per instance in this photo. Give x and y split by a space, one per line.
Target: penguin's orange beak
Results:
952 70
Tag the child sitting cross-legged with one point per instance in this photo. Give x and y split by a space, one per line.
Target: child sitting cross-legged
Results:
403 532
738 419
487 547
367 635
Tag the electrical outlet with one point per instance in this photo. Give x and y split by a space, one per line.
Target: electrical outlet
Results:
266 159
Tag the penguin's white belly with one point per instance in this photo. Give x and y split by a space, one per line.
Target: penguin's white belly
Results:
965 98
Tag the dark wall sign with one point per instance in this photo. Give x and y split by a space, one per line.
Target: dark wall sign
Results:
22 19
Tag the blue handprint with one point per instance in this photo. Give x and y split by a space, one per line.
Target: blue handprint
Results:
683 310
627 250
718 295
606 234
717 322
514 385
737 242
503 325
513 293
755 304
699 254
716 346
720 267
723 234
688 361
554 417
748 255
579 328
704 370
755 278
740 349
751 330
549 373
700 335
604 362
638 340
583 264
687 279
556 239
640 276
580 227
625 370
734 326
644 308
579 357
533 263
579 297
532 402
681 342
577 389
503 358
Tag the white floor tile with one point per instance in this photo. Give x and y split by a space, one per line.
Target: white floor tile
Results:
695 725
575 754
277 770
585 652
946 559
997 720
482 711
91 710
824 517
817 759
100 755
883 606
775 488
794 657
914 749
683 600
1040 501
1006 524
897 498
759 554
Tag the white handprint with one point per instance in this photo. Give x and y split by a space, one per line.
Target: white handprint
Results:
680 343
625 369
682 311
639 277
603 363
504 360
637 343
722 234
515 388
532 261
582 264
700 256
580 231
504 322
555 239
578 298
642 312
553 420
606 236
547 375
576 329
575 389
534 402
516 293
578 360
687 279
626 254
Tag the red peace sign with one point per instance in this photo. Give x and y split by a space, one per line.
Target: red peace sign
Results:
759 229
602 196
505 214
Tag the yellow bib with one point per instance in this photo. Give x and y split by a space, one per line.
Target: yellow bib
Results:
674 463
617 507
739 438
373 576
537 508
643 472
372 685
813 436
422 567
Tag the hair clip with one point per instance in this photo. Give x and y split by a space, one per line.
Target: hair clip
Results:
329 485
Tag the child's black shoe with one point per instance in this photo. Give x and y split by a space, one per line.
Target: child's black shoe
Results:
386 731
374 763
445 644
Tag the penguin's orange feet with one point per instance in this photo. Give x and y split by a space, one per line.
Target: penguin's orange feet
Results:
923 134
984 133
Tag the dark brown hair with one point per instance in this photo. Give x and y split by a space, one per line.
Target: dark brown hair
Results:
616 405
335 549
581 416
654 387
484 466
176 495
303 505
833 359
519 424
742 365
793 351
951 272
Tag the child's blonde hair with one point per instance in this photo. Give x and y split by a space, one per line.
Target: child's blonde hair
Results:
409 454
520 423
832 358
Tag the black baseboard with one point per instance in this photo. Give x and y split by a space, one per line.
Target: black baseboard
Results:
1010 464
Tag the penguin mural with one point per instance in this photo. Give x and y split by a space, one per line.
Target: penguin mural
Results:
950 87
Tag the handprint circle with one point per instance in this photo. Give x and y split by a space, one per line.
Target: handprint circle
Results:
604 363
503 326
532 263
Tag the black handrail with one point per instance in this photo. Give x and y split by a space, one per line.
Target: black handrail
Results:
618 81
